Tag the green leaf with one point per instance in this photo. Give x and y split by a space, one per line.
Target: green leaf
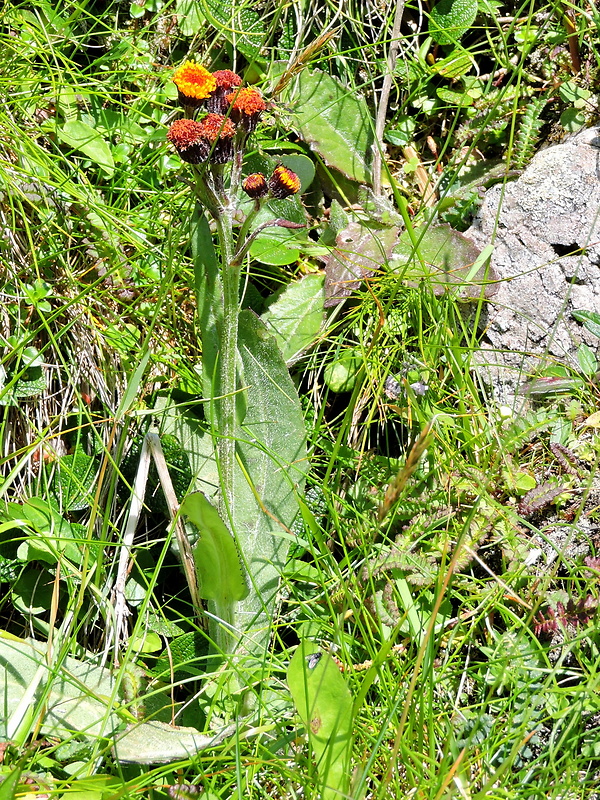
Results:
191 19
239 23
304 168
94 787
324 704
186 653
272 463
31 383
78 698
403 131
10 783
590 320
32 592
341 374
137 10
159 743
296 316
209 297
335 122
455 65
451 19
278 246
48 536
454 98
588 362
148 642
220 576
195 439
84 138
572 120
73 480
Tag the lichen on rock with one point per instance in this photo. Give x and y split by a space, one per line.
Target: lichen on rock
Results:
546 230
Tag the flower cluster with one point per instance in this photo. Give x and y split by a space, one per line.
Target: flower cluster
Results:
231 110
195 142
219 135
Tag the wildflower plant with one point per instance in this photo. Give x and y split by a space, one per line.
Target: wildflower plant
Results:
256 424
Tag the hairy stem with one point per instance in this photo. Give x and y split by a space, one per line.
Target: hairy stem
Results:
230 276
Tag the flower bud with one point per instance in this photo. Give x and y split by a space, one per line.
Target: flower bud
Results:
255 185
283 182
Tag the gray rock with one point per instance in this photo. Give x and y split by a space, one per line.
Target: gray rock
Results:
546 230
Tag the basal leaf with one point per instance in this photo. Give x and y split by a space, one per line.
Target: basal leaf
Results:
209 297
458 63
239 23
360 251
79 699
191 18
73 480
10 784
275 245
335 122
303 166
88 141
590 319
448 261
272 462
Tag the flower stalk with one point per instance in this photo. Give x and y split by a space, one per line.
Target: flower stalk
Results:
220 115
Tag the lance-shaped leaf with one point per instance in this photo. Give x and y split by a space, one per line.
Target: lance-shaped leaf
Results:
209 297
324 704
220 576
448 261
271 463
296 316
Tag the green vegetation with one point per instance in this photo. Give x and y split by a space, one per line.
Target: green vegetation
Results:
263 530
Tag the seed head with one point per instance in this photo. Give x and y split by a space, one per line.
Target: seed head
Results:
218 132
226 81
187 138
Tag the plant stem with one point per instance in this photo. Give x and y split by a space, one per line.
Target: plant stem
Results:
230 276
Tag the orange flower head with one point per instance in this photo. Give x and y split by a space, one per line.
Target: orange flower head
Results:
246 107
283 182
194 83
226 81
216 126
255 185
218 132
187 138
